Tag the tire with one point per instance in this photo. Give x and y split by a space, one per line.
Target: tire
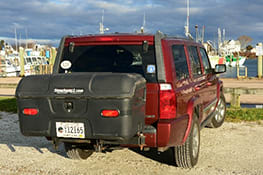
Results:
220 114
186 155
77 152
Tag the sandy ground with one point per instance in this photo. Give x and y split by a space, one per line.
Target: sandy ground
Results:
232 149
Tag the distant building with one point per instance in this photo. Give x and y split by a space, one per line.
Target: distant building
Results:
229 47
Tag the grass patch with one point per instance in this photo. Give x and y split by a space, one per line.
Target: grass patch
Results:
244 114
8 104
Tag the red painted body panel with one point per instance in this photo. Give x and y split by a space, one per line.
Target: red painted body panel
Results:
174 132
171 132
169 70
193 92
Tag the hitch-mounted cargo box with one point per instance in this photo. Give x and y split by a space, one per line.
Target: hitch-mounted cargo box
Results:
107 106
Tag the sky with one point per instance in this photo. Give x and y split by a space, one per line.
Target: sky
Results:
47 21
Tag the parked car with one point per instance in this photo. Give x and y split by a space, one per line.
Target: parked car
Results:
124 90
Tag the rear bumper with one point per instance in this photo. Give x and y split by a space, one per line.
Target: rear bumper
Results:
117 132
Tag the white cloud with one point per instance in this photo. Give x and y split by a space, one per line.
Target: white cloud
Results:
258 27
114 7
193 10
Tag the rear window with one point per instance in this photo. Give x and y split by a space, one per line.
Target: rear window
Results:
112 58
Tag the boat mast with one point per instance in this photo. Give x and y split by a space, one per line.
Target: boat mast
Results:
188 16
19 43
219 40
187 31
143 24
101 23
224 35
26 38
102 29
196 33
15 38
203 34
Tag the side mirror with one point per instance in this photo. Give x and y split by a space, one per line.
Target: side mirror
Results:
220 68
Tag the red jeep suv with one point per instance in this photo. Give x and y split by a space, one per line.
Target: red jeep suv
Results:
124 90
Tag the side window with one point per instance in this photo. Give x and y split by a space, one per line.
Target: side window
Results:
205 60
180 62
194 60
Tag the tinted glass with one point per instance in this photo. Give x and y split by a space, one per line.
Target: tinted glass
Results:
180 62
205 60
111 58
194 61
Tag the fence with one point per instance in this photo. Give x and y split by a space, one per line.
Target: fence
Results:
40 69
236 92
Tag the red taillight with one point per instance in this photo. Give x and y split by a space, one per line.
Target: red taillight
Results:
30 111
110 113
167 102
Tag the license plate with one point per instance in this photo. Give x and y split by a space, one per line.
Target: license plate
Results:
70 130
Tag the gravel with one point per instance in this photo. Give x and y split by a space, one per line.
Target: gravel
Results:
235 148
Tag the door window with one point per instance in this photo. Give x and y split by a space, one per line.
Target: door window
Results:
206 64
180 62
194 61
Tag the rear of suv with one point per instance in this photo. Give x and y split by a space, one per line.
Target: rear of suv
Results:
182 94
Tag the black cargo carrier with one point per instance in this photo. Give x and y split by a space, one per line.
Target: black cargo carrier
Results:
83 106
